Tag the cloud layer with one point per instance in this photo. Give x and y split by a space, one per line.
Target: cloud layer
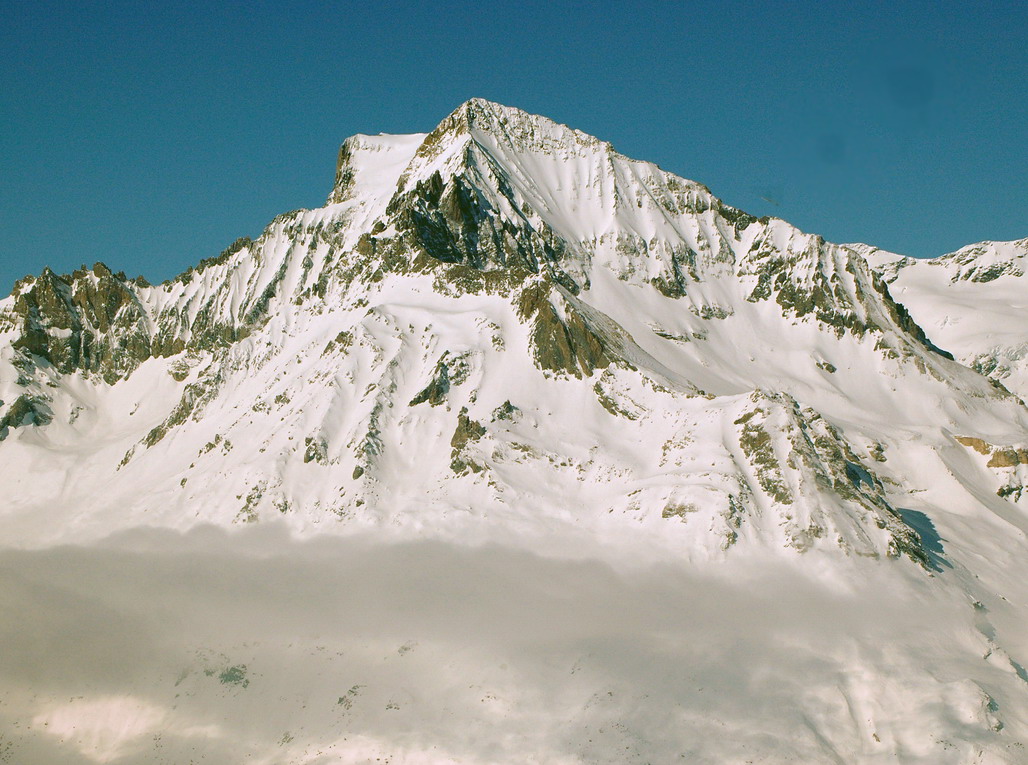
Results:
157 647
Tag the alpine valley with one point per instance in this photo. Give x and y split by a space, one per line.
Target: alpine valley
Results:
518 450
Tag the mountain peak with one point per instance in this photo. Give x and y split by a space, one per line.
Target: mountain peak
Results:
987 261
500 248
371 164
480 106
482 119
476 111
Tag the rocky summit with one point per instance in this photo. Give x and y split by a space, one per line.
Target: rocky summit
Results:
503 329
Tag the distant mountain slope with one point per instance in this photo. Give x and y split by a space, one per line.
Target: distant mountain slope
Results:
973 302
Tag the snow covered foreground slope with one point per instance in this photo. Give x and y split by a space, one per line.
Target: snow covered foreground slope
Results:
503 332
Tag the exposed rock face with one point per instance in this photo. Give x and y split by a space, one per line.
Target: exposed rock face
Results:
25 411
92 321
467 431
435 392
97 322
1008 465
793 454
562 340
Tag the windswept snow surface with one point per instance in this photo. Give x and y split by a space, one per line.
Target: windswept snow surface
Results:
518 450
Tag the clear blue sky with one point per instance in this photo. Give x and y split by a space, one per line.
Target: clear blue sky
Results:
151 137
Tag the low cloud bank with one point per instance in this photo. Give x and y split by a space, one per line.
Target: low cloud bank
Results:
254 647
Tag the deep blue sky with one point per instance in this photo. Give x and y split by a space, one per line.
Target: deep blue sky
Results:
150 138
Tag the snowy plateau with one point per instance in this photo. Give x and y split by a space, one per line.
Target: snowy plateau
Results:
518 451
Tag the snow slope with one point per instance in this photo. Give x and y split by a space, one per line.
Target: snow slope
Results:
972 301
503 335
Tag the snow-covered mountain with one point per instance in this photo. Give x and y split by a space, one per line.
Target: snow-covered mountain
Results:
505 329
972 301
